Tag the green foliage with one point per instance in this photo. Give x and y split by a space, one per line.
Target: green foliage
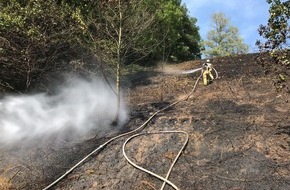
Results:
179 32
277 31
36 19
223 39
33 35
40 36
118 32
150 30
188 45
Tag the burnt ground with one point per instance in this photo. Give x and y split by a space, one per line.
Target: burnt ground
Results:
238 126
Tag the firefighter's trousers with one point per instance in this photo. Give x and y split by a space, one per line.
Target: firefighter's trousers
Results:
207 76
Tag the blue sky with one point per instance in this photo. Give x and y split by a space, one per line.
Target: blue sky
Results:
246 15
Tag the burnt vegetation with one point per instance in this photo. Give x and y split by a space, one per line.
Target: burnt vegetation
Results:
238 128
238 125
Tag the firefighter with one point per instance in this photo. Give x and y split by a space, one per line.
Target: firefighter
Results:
206 72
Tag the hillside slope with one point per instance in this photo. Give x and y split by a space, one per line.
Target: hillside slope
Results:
238 126
238 130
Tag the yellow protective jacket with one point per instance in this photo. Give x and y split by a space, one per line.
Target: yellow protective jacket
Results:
206 74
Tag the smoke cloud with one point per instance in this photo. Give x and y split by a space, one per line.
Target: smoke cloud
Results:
80 106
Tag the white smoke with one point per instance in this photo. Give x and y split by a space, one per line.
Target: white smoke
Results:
80 106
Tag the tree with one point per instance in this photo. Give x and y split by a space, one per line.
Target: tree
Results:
223 39
119 33
277 31
277 34
38 39
187 47
178 31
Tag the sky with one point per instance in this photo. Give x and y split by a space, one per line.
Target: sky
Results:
246 15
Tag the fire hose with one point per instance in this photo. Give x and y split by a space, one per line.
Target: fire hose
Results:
165 180
140 128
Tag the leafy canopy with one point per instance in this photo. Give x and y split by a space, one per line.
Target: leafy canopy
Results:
38 37
223 39
178 31
277 31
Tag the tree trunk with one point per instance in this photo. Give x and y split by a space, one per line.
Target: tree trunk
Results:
118 74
